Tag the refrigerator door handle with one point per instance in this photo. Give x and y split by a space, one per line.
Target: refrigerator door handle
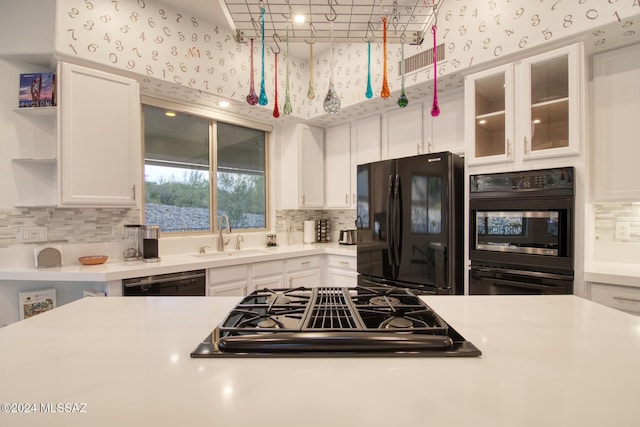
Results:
390 221
398 219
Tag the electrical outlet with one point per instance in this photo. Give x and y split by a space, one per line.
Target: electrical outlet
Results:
623 230
33 234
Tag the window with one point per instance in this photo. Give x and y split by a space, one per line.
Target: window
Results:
195 165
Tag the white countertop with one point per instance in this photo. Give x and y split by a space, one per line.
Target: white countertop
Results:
118 269
615 273
547 361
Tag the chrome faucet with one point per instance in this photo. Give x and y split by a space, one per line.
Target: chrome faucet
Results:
239 239
221 242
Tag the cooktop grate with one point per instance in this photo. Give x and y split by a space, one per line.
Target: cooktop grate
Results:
331 309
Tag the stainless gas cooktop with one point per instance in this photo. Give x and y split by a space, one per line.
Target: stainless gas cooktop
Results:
333 322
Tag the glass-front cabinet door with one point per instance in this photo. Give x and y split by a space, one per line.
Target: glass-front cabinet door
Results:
526 110
549 94
489 104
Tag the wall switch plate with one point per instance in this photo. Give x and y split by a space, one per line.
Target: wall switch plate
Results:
33 234
623 230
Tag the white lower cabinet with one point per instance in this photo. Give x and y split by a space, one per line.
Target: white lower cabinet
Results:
341 271
268 274
304 271
233 289
229 281
625 298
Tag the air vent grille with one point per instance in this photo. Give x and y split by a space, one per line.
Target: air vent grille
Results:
422 59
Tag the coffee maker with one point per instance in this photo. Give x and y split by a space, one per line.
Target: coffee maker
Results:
142 242
150 236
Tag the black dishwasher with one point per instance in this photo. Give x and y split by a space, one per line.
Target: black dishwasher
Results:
187 283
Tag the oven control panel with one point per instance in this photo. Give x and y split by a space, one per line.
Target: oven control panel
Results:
544 179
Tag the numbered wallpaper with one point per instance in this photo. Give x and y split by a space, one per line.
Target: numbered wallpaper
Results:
181 57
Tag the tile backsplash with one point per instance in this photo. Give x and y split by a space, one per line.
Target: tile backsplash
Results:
103 225
338 219
608 214
67 225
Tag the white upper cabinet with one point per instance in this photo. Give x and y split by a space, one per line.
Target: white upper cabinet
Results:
340 171
311 167
300 169
445 132
366 139
549 100
616 124
489 112
535 114
99 138
403 131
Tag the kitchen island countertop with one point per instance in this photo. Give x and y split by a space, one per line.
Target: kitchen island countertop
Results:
547 361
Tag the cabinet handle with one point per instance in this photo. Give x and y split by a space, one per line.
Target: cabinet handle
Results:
429 146
303 199
346 198
305 263
525 145
508 147
343 262
290 283
417 148
353 198
133 192
627 299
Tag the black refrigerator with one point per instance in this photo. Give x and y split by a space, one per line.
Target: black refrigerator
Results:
410 220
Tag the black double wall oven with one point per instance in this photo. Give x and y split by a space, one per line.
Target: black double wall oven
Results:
521 232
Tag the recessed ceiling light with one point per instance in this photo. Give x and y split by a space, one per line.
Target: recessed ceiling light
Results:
170 114
224 104
299 19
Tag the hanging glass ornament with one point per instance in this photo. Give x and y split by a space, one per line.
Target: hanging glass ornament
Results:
276 112
402 101
287 102
385 93
262 100
311 94
435 109
331 101
252 98
369 93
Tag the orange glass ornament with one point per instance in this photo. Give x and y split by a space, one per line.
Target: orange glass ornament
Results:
385 93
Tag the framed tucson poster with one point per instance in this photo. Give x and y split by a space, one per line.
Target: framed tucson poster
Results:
32 303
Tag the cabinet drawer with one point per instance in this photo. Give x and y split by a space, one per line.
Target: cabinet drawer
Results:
624 298
303 263
340 261
268 268
228 274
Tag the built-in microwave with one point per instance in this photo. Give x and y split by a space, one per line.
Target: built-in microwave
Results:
523 221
